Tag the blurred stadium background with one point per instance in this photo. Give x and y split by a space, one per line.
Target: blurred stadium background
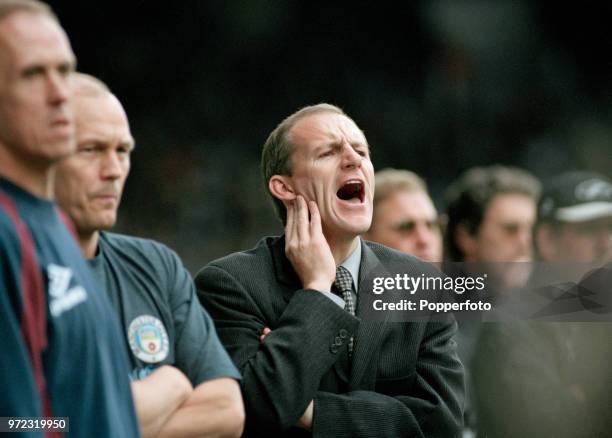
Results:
438 86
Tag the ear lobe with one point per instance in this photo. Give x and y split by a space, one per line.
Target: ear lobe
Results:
281 188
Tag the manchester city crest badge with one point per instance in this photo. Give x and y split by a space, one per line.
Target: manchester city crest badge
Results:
148 339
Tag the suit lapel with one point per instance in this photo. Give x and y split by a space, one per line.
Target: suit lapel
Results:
369 333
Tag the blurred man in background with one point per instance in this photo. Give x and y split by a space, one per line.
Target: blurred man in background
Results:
184 383
59 353
405 217
552 378
575 219
491 212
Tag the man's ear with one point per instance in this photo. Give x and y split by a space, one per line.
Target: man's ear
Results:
281 188
466 242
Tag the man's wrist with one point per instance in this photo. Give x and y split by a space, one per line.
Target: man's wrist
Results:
321 286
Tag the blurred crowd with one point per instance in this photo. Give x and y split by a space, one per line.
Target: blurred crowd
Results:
524 378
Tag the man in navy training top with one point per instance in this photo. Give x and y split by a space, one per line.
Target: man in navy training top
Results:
184 381
59 356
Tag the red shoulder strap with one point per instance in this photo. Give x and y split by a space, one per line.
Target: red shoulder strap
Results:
34 308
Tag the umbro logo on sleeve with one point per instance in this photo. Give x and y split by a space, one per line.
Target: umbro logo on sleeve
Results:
62 296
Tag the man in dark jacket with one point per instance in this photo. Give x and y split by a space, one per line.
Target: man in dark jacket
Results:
289 311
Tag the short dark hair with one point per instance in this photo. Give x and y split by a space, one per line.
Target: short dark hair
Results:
468 198
277 150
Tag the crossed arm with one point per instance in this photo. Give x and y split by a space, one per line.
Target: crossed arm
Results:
168 406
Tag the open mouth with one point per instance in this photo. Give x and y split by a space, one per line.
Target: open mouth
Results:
352 190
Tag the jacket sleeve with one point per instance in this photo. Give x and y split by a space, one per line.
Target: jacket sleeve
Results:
432 407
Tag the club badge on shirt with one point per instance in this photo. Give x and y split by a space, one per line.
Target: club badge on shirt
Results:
148 339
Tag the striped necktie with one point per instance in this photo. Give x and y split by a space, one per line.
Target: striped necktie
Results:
344 285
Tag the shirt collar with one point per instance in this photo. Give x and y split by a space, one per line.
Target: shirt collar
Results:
352 264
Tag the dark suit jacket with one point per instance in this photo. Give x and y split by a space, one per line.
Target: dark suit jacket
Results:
404 379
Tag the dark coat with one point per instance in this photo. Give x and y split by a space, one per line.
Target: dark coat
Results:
404 379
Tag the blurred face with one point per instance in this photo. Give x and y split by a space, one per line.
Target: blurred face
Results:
505 234
586 242
89 183
331 166
36 120
408 222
